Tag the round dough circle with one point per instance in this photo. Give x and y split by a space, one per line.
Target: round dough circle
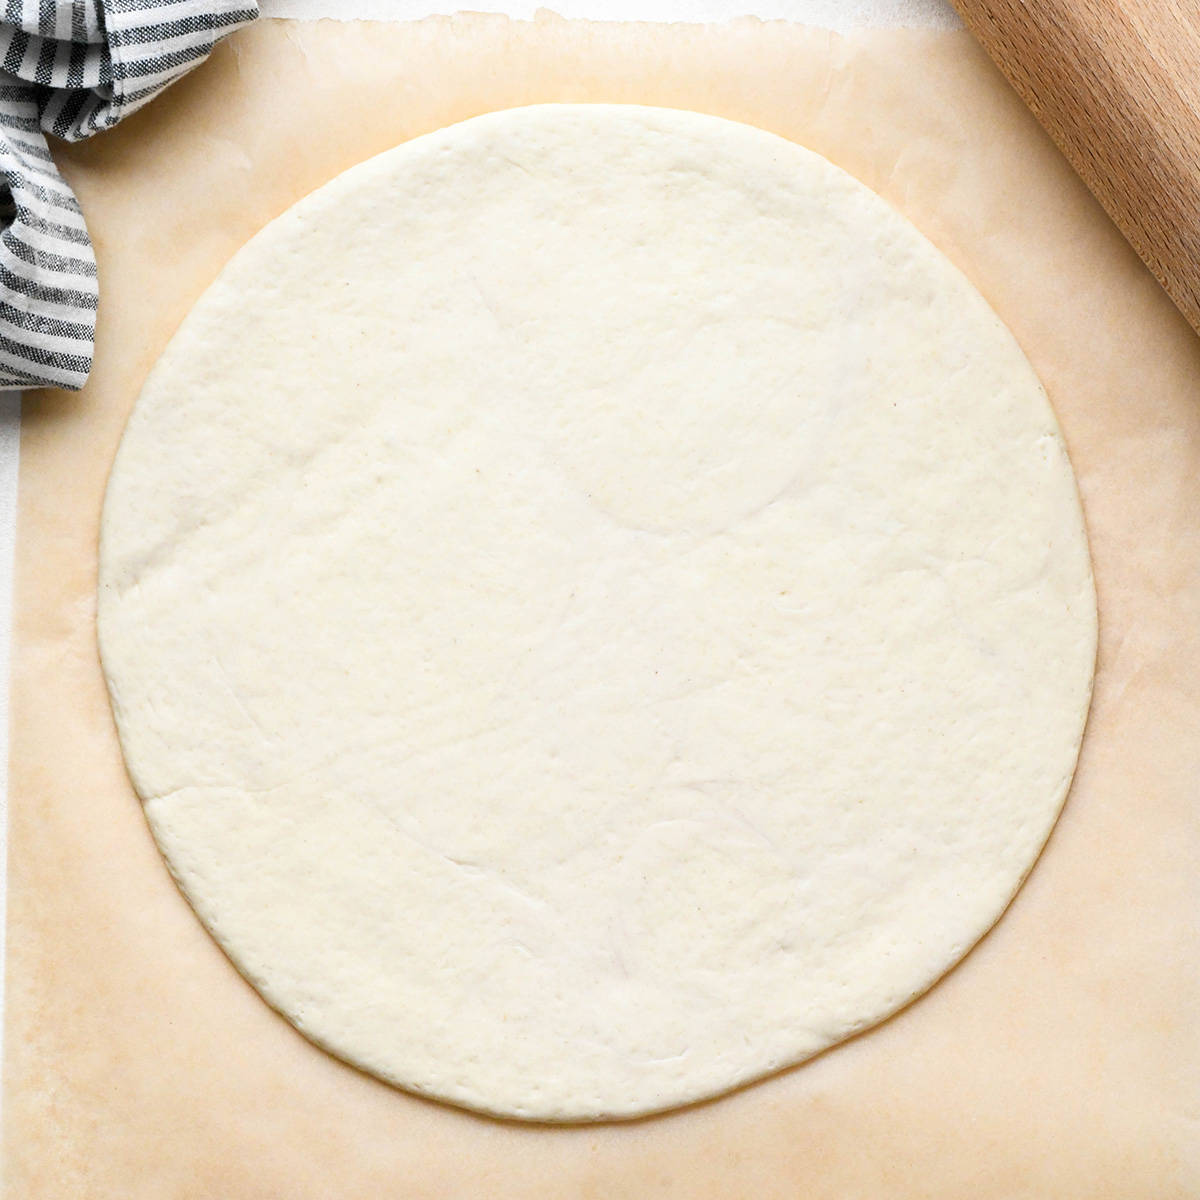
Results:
597 610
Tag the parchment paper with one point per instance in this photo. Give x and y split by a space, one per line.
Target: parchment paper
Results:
1061 1059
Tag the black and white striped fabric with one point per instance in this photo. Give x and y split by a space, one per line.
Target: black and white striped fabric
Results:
71 68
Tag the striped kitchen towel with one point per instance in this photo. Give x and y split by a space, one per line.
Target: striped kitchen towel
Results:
71 68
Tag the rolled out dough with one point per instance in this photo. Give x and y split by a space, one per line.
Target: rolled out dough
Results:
597 610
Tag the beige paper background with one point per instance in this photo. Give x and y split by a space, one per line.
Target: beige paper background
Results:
1061 1059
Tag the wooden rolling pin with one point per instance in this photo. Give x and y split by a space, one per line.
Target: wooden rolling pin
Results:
1116 83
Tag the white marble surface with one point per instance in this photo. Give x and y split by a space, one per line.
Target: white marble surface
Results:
841 15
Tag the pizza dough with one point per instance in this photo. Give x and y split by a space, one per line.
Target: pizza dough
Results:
597 610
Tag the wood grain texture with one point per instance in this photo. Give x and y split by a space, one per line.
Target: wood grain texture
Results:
1116 83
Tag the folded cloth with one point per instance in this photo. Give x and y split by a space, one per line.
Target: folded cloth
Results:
71 68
